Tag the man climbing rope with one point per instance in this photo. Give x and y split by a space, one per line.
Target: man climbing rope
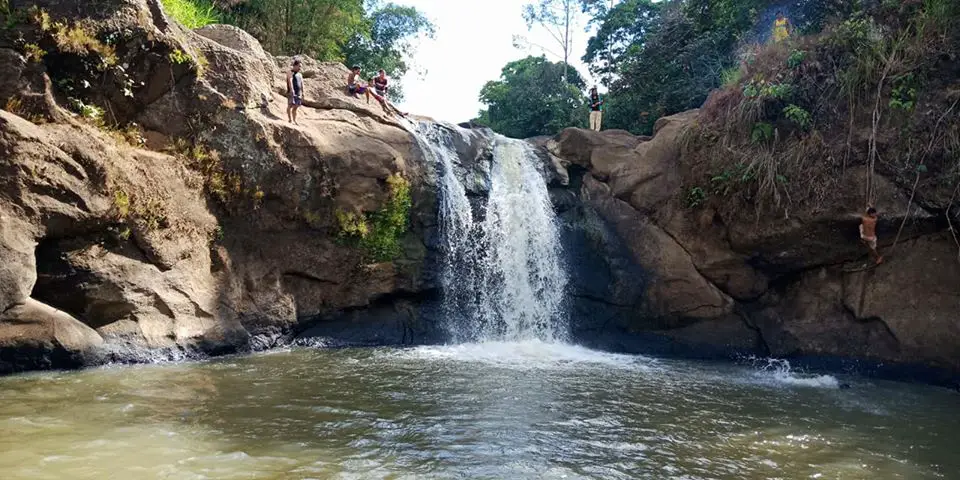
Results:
781 28
295 91
596 109
868 233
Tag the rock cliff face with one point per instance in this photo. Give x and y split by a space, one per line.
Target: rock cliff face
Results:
706 282
220 233
220 230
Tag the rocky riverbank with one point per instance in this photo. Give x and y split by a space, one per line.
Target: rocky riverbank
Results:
156 204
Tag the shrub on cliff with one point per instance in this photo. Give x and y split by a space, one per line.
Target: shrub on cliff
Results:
192 13
663 57
876 91
378 234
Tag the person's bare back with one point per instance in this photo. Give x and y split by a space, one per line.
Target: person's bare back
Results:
868 233
869 230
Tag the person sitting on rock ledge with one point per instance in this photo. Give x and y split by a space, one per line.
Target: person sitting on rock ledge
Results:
868 233
295 90
355 86
380 87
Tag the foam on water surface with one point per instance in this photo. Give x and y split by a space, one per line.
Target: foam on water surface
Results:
524 355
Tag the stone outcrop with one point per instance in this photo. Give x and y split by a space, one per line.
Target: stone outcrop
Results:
221 234
710 282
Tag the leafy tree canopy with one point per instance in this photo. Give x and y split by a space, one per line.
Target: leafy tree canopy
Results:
663 57
531 99
317 28
387 41
374 35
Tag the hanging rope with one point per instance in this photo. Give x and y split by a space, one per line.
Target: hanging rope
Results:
916 181
953 231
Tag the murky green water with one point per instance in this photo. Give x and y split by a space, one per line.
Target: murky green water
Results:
489 411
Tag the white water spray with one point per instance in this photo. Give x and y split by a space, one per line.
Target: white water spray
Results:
502 277
524 279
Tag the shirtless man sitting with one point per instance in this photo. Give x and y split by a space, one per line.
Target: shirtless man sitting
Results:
868 233
354 86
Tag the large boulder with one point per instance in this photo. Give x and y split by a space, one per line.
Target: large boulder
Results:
17 266
915 297
36 336
675 291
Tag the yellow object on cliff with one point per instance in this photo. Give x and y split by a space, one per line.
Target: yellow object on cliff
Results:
781 29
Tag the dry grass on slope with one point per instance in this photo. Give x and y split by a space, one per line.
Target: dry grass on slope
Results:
876 93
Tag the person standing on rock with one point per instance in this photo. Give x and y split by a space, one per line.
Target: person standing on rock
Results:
295 90
596 109
868 233
781 28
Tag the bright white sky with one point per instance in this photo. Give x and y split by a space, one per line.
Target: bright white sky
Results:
474 40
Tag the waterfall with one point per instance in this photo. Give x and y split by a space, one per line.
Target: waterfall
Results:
502 274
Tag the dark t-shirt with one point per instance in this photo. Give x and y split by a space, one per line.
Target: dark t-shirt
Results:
380 84
297 81
595 104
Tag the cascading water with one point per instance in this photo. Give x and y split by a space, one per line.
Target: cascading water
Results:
503 275
524 279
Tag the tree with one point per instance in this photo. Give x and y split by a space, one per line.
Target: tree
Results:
621 34
318 28
531 99
557 17
387 42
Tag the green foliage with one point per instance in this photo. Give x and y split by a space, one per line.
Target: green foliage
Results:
352 224
227 187
121 202
531 99
76 39
727 180
89 112
798 115
659 65
765 90
904 95
318 28
371 34
762 132
663 57
387 41
731 76
833 92
796 58
192 13
696 197
33 52
378 234
178 57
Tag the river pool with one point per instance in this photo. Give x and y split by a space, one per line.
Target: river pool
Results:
493 410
